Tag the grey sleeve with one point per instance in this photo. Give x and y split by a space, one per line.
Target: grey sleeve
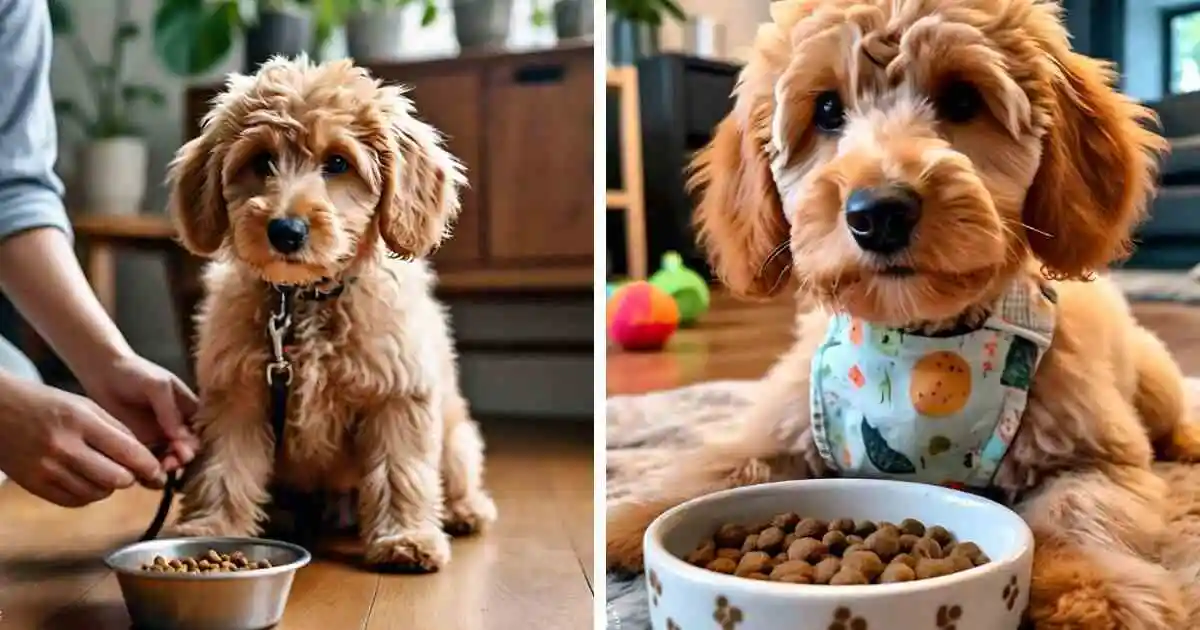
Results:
30 191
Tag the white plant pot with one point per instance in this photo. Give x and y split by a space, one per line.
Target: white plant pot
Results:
374 36
112 175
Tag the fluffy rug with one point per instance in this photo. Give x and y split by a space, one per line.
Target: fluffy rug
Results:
645 431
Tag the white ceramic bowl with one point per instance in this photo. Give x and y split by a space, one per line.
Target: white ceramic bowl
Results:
990 597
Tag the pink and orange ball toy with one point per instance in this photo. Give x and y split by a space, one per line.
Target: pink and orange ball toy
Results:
641 316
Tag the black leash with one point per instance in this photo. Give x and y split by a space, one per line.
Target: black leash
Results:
279 374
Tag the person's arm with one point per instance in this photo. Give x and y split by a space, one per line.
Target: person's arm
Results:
38 269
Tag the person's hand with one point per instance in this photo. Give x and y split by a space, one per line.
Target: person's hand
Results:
151 401
65 448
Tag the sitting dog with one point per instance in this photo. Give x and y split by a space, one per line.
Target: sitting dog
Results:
317 193
941 179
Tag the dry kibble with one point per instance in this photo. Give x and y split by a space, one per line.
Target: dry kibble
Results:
844 525
864 528
927 548
753 562
905 559
865 562
826 569
885 543
835 540
792 566
931 568
787 522
897 572
264 564
722 565
731 535
705 553
940 534
807 549
789 549
770 540
811 528
912 527
847 577
209 562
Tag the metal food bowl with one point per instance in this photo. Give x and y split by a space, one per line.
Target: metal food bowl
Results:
240 600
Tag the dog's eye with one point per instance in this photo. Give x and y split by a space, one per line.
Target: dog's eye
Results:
959 102
828 113
336 165
262 164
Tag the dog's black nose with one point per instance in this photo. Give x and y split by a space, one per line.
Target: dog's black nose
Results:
882 219
287 235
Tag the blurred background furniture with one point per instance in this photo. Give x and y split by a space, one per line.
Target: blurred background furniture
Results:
628 198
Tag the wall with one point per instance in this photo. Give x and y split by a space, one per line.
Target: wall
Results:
739 17
144 310
1143 64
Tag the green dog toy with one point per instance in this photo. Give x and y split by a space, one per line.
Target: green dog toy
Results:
687 287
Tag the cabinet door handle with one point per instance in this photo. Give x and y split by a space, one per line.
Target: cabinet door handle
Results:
539 74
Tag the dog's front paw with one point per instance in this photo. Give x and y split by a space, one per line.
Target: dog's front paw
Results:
206 527
470 515
426 549
1102 591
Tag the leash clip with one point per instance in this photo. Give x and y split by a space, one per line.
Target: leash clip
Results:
278 325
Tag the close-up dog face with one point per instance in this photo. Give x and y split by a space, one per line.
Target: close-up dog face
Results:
902 158
301 168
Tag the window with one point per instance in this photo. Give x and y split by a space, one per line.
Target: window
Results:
1182 63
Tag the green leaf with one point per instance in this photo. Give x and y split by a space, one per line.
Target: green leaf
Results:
671 7
61 20
69 110
429 13
540 17
148 93
192 36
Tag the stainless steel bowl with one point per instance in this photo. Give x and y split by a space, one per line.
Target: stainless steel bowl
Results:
249 600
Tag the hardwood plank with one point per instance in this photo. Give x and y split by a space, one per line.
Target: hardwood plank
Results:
528 572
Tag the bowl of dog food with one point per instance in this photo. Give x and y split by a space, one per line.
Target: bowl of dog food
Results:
207 583
838 554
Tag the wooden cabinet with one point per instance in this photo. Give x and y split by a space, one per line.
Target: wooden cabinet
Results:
522 123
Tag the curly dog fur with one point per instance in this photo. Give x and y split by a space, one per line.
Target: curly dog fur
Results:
375 403
1046 177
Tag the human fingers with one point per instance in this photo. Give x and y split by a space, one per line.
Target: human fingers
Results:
98 469
73 489
105 435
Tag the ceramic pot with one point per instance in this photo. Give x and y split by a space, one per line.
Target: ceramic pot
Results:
288 33
374 36
573 18
112 175
482 23
631 41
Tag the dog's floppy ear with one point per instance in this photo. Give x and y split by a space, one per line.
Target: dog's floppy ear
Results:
1098 170
196 199
739 218
419 197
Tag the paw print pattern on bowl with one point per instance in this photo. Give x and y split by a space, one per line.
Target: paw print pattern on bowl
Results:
655 588
948 617
844 619
727 615
1011 592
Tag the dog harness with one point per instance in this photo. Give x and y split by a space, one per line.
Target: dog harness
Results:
279 380
886 402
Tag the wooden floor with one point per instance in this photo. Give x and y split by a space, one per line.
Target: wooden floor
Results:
532 572
740 340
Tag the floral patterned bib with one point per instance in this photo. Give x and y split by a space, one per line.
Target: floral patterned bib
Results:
940 410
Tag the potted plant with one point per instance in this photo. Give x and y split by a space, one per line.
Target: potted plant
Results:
573 18
481 23
373 27
192 37
113 160
634 27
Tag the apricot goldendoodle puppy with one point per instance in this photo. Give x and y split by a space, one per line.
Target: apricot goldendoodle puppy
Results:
941 178
319 180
